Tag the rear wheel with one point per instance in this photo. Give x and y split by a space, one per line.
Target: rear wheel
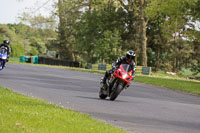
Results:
116 92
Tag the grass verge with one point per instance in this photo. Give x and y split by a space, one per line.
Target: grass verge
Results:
188 86
19 114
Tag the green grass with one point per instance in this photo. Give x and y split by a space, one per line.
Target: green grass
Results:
20 114
14 60
189 86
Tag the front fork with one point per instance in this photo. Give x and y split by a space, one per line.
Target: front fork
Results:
115 83
107 88
111 84
2 64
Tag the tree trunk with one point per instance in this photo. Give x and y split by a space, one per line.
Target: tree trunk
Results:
174 64
64 48
175 60
143 38
158 60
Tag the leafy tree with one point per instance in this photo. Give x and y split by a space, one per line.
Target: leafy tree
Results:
90 29
68 13
33 51
17 50
39 21
40 30
5 32
38 44
172 17
99 19
108 48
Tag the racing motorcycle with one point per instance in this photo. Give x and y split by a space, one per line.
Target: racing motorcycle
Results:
3 57
118 81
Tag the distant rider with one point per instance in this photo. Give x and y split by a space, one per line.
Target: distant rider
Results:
128 59
6 45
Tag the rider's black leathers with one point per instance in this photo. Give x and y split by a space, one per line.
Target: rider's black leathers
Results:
8 50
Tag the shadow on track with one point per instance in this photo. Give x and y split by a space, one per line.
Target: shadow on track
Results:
94 98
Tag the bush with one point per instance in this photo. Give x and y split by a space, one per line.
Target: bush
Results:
33 51
17 50
167 67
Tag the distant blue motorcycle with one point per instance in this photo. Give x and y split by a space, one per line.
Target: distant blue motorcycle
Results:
3 57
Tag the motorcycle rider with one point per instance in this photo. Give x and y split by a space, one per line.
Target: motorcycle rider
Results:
128 59
5 44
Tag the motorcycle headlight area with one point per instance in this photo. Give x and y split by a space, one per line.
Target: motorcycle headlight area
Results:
4 58
124 75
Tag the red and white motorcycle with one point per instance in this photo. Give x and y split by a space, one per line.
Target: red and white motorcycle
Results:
119 80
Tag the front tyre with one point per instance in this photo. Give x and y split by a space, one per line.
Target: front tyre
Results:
116 92
1 65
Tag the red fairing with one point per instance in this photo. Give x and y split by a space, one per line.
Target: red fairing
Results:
122 74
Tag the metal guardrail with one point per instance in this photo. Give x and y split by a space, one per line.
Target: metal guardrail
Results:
146 70
103 67
47 61
139 69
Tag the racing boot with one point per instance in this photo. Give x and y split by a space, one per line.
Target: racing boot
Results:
103 82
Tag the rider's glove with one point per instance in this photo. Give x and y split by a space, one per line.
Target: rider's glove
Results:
114 68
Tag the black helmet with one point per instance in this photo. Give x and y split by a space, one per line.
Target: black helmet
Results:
6 41
130 55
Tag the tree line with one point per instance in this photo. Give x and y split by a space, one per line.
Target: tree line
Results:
32 36
164 34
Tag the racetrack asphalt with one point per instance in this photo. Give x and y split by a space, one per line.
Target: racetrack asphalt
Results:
139 109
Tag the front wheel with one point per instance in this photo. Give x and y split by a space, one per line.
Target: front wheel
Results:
116 92
1 65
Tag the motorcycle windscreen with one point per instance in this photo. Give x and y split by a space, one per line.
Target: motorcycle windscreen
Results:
126 67
3 51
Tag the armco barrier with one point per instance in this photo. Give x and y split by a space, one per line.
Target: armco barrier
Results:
89 66
139 69
102 67
146 70
94 66
27 59
52 61
22 58
34 59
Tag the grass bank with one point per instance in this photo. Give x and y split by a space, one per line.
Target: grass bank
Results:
20 114
188 86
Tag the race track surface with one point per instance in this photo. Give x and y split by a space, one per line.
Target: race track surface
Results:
139 109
